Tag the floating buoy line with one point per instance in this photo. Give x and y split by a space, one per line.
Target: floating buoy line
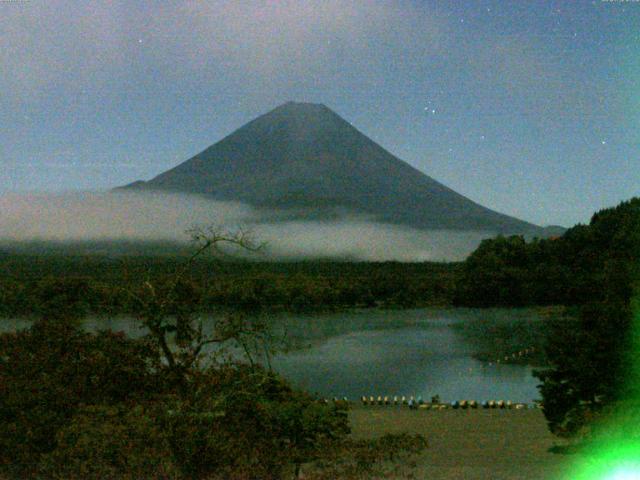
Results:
418 403
513 356
435 404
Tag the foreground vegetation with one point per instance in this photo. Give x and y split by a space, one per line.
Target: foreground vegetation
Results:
77 405
80 405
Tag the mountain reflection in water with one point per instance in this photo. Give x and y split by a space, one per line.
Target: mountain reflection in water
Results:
380 352
411 352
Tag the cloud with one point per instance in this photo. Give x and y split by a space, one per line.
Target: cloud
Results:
52 46
71 47
286 37
367 241
156 216
91 216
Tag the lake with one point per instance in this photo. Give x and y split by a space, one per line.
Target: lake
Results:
382 352
398 352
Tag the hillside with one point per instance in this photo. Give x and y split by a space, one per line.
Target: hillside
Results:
307 161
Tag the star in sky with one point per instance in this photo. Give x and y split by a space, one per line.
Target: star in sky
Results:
462 62
429 108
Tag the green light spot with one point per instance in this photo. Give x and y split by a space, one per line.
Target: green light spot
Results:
616 453
625 473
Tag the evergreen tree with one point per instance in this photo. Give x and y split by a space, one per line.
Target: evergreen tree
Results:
589 350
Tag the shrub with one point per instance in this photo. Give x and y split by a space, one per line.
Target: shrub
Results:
242 422
103 442
48 371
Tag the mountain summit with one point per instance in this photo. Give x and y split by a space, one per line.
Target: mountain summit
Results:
304 157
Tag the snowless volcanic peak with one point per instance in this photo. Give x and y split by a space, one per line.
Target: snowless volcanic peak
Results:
305 158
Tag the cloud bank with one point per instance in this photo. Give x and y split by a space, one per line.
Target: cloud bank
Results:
166 217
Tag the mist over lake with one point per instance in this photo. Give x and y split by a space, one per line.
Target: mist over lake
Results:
165 217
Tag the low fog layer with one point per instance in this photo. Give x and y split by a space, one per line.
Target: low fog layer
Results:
160 217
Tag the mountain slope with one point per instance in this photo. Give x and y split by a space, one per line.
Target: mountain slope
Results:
306 158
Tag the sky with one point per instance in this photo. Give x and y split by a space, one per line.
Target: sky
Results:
529 108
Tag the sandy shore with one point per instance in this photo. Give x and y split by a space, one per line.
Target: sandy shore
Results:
471 444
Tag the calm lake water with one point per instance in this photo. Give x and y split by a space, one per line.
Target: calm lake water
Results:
378 352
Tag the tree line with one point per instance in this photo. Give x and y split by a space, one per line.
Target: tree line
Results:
101 284
593 270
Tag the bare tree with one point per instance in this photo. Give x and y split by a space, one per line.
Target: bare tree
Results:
169 310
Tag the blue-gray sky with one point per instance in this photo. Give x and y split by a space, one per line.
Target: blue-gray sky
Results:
531 108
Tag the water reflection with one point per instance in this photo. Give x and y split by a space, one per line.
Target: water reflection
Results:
420 360
369 352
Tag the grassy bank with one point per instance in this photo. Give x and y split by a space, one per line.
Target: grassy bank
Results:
471 444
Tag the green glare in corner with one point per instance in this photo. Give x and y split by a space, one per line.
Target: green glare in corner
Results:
613 463
616 455
624 473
